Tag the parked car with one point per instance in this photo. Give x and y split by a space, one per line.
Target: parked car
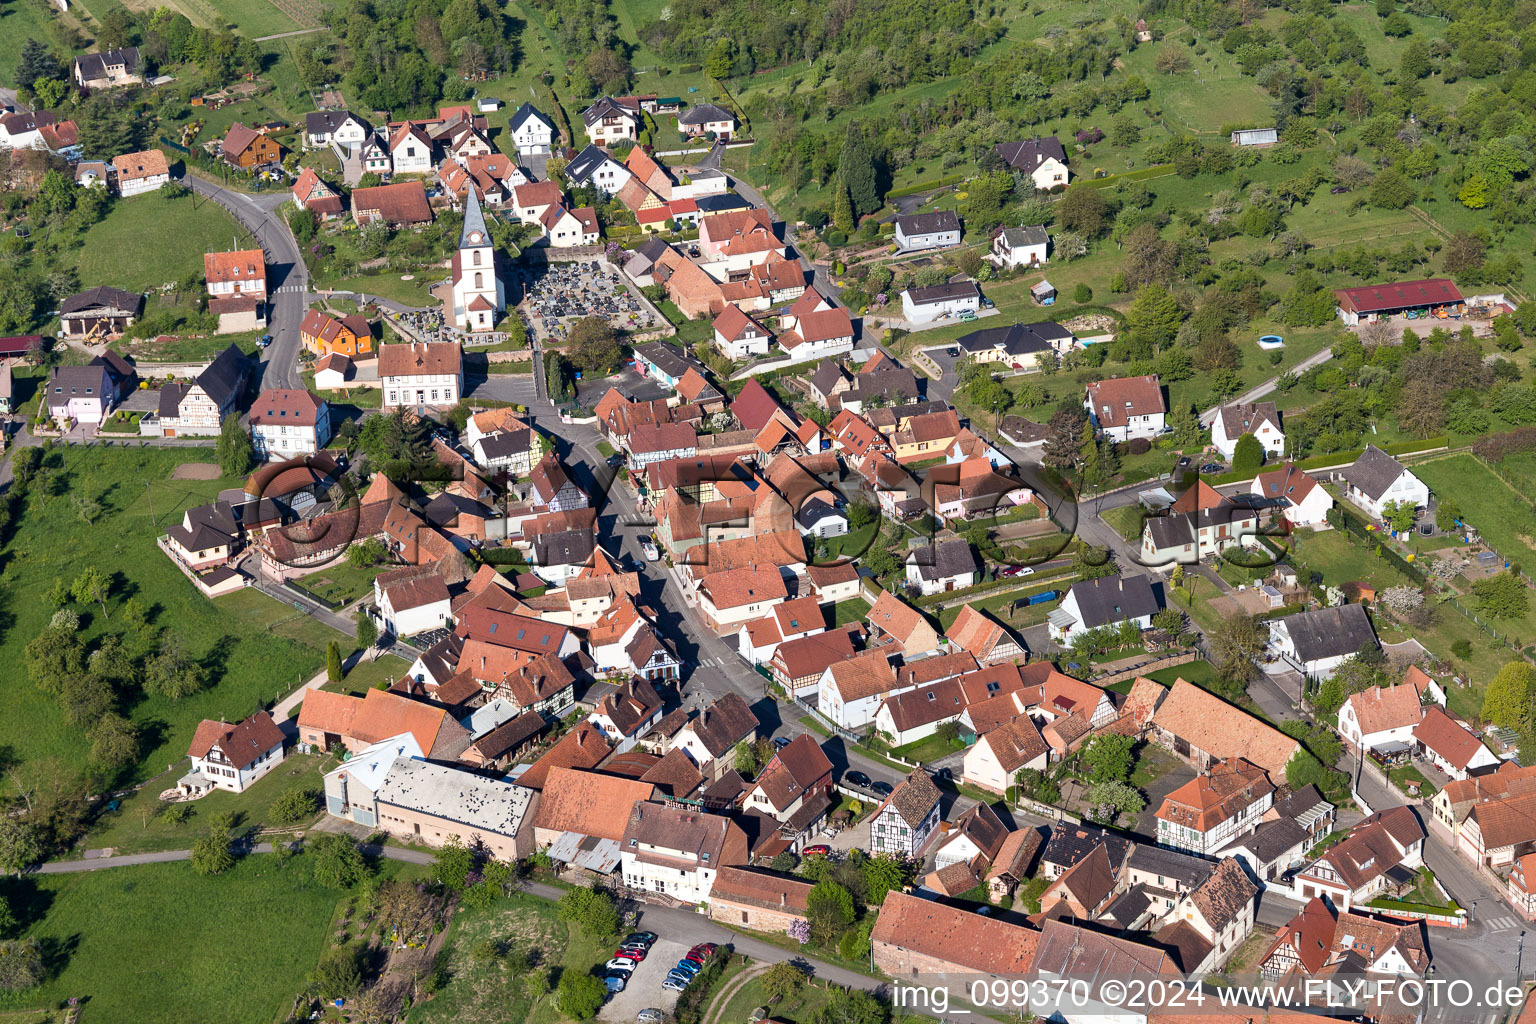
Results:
883 788
649 549
644 938
674 983
780 742
1026 570
1213 467
856 779
688 967
616 982
707 948
649 1015
622 963
266 339
818 850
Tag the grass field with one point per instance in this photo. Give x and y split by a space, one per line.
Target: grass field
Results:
149 240
254 18
161 944
135 828
1198 672
494 991
1499 513
252 650
1343 558
853 610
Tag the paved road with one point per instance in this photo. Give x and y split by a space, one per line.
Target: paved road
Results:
820 279
1209 416
287 279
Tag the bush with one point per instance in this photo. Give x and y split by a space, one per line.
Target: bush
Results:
1138 446
1082 294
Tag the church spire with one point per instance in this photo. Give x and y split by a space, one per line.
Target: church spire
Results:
474 233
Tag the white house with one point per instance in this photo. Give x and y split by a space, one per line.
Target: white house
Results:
1020 247
979 832
903 824
339 130
595 168
1307 502
938 230
1184 538
1043 158
608 121
532 132
1127 407
1377 480
994 760
1317 642
421 374
232 757
411 600
1220 914
1381 717
1106 602
288 422
941 301
1450 746
677 851
1260 419
410 151
138 173
760 638
707 119
849 692
820 519
627 714
738 336
949 565
734 597
566 229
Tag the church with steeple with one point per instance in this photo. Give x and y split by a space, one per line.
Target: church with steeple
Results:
479 298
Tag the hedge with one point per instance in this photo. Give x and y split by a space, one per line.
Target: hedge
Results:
1400 448
1155 171
924 186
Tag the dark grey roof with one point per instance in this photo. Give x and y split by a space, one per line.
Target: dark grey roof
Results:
1373 472
118 368
1033 235
102 296
1126 909
1015 339
674 362
78 380
94 65
170 399
1070 843
928 223
884 383
503 444
722 203
827 374
570 547
524 113
1330 632
474 224
606 106
721 725
1273 838
224 377
318 122
217 515
200 537
584 163
944 292
1184 868
813 512
940 561
703 113
442 658
1170 531
1031 153
1115 599
445 509
1300 802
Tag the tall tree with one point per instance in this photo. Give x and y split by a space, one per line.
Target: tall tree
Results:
234 448
36 61
856 166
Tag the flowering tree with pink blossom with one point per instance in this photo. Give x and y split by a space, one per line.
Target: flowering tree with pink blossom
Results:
800 931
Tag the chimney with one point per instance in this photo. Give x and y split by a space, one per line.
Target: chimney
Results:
1121 581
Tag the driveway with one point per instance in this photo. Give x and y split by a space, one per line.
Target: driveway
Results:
630 384
644 989
1157 789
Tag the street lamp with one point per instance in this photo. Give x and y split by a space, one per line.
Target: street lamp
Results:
1519 957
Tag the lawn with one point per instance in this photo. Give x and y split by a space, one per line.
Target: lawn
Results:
798 1007
854 609
1344 558
930 749
251 650
254 18
160 943
851 544
366 675
415 292
1125 520
149 240
1201 673
494 991
341 583
135 827
1499 513
1005 607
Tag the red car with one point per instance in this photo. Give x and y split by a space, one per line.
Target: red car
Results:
633 952
819 850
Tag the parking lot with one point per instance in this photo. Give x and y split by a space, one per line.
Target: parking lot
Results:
644 989
631 385
559 293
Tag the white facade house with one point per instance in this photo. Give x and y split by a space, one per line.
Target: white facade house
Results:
138 173
1020 247
939 568
286 423
532 132
1211 810
738 336
1107 602
1317 642
1127 407
1261 419
940 302
410 151
594 168
918 231
1043 159
231 757
759 639
1307 500
1377 480
421 374
341 131
566 229
411 601
1380 716
678 851
607 122
908 818
849 692
821 520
